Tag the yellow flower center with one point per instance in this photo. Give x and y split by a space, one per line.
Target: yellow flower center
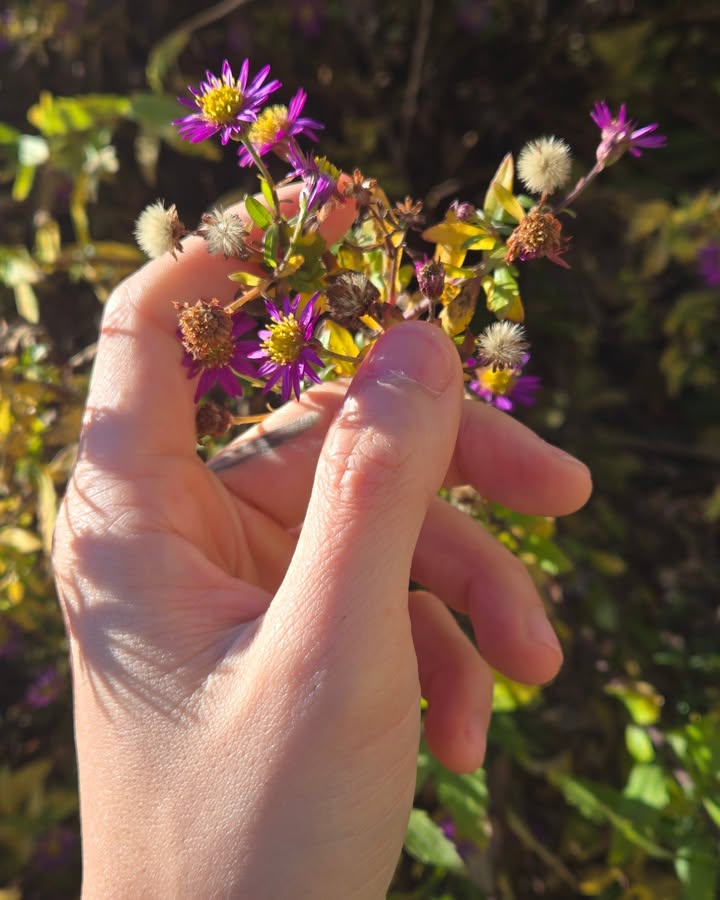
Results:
499 382
268 126
286 341
327 168
221 104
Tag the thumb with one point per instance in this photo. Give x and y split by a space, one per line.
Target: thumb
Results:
383 460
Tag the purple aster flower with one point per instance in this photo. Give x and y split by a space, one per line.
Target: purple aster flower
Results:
504 388
209 336
308 15
224 105
287 345
319 175
274 127
45 689
709 264
56 848
620 134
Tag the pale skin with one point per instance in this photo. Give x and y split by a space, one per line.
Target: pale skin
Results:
247 662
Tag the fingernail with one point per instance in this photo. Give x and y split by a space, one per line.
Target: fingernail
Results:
565 457
541 631
414 352
476 733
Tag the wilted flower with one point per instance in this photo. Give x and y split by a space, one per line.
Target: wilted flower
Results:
430 276
287 344
349 296
209 336
502 345
212 420
620 135
308 15
503 388
544 165
158 230
275 126
360 189
224 233
538 234
709 264
409 213
224 105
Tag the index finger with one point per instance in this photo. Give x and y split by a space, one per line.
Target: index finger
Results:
140 401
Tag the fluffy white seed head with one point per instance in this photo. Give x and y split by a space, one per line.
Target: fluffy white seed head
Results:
224 233
544 165
158 230
502 345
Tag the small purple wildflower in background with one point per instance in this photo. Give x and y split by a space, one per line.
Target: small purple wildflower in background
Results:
709 264
473 15
274 127
286 351
504 388
224 105
56 848
307 15
619 135
45 689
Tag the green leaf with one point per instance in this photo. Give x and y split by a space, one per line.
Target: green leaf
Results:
8 134
54 116
639 744
26 302
465 798
267 193
163 56
600 804
260 214
270 246
649 784
641 700
696 865
426 842
24 180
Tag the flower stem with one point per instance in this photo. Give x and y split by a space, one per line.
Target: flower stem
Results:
262 168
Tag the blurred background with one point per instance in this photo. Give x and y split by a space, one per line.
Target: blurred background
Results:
605 783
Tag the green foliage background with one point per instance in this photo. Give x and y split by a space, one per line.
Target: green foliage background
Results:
605 783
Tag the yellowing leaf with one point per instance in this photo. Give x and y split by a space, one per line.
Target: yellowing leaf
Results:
504 176
457 314
640 699
509 695
20 539
46 507
339 340
509 202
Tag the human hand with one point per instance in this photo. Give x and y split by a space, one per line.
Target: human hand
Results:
246 690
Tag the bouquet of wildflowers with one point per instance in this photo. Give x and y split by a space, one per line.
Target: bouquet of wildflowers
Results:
305 311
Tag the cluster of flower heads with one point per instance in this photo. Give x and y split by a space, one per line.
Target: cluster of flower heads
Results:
311 314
